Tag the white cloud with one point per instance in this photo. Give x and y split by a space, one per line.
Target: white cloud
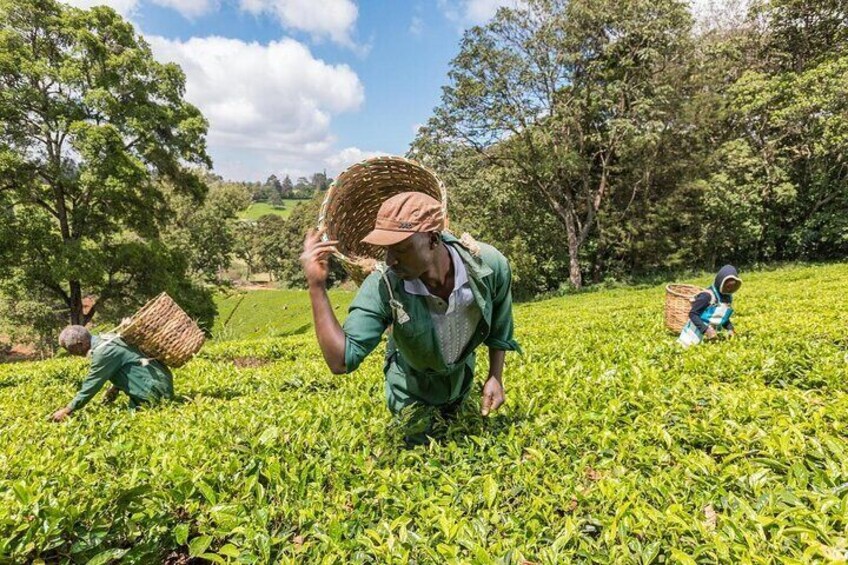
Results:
341 160
189 8
416 26
473 12
333 19
270 107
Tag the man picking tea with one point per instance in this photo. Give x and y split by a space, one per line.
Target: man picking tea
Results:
441 297
115 361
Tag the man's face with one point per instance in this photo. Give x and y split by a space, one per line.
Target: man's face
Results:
730 286
413 256
79 350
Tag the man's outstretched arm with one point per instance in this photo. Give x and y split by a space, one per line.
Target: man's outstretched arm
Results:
331 338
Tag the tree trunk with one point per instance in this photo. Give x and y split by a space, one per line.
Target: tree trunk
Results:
77 317
574 275
567 216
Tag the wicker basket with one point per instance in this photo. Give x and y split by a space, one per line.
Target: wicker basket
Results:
678 303
163 331
353 200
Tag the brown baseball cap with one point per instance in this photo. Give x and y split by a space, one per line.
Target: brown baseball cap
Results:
403 215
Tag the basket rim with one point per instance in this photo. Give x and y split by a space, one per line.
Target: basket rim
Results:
147 305
672 288
191 333
331 192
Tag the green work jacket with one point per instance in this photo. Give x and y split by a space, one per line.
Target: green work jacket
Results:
128 369
415 369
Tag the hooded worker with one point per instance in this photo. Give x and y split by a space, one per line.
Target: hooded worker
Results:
442 297
711 310
115 361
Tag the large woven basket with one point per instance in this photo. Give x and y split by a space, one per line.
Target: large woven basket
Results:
163 331
678 303
353 200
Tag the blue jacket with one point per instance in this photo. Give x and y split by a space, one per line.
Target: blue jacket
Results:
704 299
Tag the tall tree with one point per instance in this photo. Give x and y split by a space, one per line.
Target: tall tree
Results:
275 190
287 188
90 123
562 91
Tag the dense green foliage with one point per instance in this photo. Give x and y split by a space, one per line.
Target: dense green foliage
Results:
92 129
642 142
615 446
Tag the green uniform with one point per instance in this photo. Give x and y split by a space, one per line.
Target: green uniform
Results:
416 372
113 360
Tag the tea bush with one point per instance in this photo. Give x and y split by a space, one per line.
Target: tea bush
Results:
615 446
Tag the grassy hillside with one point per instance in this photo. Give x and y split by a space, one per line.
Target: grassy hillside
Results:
269 313
259 209
615 446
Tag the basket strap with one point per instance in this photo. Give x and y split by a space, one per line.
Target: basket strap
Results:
399 314
104 342
144 361
715 298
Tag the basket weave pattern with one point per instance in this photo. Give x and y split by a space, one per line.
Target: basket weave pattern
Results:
678 304
350 208
163 331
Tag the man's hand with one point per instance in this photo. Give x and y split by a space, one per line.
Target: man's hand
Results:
710 333
111 395
61 414
316 258
731 333
493 395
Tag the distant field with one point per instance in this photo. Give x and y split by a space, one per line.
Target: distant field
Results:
259 209
269 313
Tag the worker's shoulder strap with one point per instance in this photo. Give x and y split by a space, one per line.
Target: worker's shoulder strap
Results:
104 342
714 299
143 361
398 313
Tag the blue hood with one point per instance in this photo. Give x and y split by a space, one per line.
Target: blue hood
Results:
726 272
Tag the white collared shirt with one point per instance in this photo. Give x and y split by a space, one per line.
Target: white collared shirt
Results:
456 320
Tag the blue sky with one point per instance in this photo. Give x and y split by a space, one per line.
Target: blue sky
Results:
299 86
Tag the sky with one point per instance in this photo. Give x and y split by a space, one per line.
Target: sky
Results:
294 87
303 86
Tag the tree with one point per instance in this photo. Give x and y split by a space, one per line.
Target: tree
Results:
287 245
270 229
563 91
247 244
320 182
778 172
90 124
206 234
287 188
303 188
275 190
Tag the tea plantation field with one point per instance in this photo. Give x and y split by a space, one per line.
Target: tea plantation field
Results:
269 313
614 446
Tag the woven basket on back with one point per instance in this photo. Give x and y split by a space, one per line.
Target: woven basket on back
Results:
350 207
678 303
163 331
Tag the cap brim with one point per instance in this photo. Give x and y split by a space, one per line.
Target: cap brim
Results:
384 238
